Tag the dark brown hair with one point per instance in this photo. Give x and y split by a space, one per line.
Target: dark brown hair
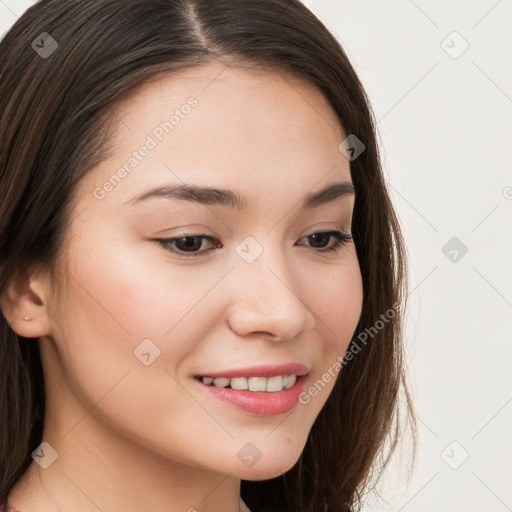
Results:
55 113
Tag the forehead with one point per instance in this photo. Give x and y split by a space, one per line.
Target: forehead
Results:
217 85
219 126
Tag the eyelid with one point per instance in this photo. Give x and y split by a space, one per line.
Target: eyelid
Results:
341 237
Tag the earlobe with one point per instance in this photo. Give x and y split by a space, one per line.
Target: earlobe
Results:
23 304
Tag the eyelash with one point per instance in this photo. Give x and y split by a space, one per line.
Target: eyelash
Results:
341 239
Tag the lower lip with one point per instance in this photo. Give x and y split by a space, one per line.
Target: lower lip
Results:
262 403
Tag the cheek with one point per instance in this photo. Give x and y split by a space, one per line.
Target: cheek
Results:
336 298
114 299
134 289
124 308
103 316
336 302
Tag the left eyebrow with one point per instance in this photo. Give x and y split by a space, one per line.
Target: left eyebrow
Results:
231 199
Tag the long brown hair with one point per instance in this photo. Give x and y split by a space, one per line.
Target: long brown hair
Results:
55 101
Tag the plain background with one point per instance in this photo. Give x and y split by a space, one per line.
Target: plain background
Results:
439 79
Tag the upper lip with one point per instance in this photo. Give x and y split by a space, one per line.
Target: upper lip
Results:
261 371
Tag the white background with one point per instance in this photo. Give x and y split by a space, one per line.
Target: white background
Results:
444 123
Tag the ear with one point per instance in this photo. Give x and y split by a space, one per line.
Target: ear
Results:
25 296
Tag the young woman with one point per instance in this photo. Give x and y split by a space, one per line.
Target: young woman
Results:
202 277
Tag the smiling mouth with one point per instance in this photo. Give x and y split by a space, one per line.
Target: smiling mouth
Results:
267 384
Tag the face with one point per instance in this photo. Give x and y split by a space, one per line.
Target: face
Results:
139 316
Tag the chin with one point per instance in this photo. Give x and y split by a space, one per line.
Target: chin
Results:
267 470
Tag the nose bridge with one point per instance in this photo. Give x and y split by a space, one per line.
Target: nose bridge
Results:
264 292
260 262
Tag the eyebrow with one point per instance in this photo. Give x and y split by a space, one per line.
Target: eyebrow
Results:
231 199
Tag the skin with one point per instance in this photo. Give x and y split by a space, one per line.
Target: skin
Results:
133 437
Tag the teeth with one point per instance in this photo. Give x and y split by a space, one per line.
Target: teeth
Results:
275 383
221 382
289 381
272 384
239 383
257 383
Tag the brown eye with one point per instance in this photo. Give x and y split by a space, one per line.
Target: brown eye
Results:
340 239
187 245
190 245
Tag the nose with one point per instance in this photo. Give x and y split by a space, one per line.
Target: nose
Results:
266 299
